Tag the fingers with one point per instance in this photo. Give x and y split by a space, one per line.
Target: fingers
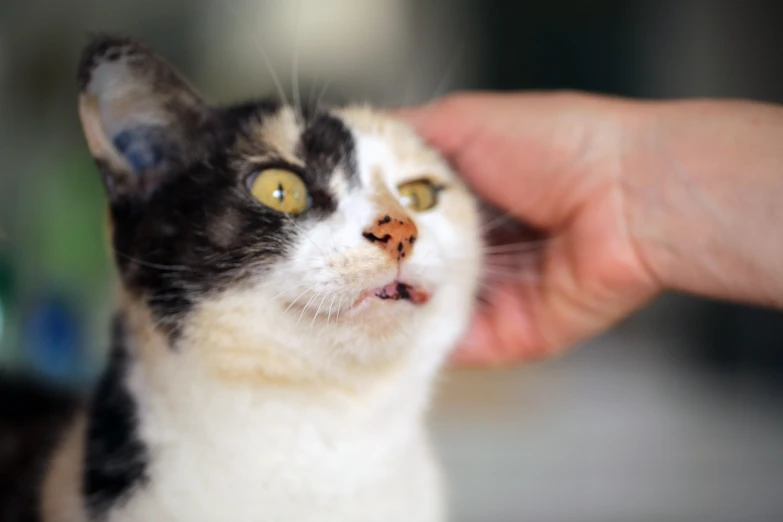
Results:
504 333
522 152
446 123
517 332
586 284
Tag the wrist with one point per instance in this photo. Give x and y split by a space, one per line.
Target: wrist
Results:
701 182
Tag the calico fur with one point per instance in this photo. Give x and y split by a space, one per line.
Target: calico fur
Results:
259 368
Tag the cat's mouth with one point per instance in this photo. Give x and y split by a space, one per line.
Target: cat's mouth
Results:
398 290
394 291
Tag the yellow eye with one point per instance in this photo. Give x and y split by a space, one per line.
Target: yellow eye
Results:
419 195
281 190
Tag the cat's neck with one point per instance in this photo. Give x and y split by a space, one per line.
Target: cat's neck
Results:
186 387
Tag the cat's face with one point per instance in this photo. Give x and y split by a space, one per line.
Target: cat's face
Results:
271 242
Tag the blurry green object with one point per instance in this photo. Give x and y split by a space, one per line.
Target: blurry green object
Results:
70 215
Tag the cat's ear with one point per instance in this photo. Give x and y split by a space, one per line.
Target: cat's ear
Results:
140 118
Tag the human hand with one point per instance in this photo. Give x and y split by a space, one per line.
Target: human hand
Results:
637 197
553 161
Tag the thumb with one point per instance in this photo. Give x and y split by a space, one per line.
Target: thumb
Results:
444 123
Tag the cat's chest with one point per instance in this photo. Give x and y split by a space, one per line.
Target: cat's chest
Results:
292 475
281 462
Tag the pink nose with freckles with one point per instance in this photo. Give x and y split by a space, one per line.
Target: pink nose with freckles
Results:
393 233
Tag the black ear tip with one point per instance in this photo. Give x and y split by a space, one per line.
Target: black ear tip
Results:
103 47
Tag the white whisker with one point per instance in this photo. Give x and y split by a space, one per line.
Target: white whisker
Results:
329 315
513 277
410 87
322 94
172 268
295 65
283 292
261 50
523 246
300 295
497 221
314 296
339 304
448 73
308 237
311 96
318 311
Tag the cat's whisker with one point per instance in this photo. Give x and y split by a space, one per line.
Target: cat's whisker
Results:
512 278
335 249
487 268
512 264
306 306
488 285
510 274
300 295
448 73
261 51
309 238
515 267
173 268
283 292
523 246
295 65
497 221
311 96
329 315
339 304
512 258
317 311
410 87
322 93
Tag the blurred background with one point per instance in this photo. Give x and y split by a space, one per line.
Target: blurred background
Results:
675 415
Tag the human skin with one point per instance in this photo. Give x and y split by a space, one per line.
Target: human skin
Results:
641 197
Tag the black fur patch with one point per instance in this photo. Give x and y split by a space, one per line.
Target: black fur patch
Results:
327 143
33 417
115 458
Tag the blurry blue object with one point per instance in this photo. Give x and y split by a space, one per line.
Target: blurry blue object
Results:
52 338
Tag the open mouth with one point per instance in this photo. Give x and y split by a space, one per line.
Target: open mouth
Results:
394 291
399 290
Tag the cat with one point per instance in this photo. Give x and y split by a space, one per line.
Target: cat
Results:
290 285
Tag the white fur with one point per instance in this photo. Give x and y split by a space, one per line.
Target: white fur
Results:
270 413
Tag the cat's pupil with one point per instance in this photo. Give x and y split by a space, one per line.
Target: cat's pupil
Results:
279 194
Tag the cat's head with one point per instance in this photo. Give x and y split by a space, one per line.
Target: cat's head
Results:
273 243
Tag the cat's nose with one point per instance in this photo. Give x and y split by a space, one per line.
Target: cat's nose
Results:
394 234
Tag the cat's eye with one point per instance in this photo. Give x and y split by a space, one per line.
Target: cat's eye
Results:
419 195
280 190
